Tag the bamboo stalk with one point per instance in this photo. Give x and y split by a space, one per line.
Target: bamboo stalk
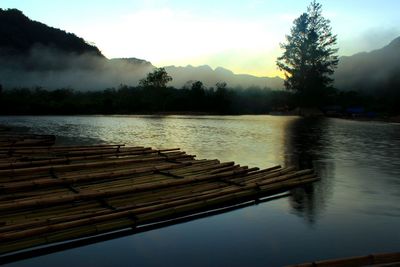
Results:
228 189
79 147
369 260
84 177
69 160
75 152
152 212
106 193
49 149
129 183
27 142
65 167
101 188
29 178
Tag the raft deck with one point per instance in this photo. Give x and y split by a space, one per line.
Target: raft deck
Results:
51 194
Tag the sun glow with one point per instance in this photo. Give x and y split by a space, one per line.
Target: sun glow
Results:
242 36
169 37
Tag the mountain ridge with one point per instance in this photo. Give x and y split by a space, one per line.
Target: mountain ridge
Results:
372 71
210 77
45 55
34 54
19 34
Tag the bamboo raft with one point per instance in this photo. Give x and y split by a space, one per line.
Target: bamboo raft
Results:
383 259
51 194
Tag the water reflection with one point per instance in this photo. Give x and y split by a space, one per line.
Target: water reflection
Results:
45 250
306 146
354 206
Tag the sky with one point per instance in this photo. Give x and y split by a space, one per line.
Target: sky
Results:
242 36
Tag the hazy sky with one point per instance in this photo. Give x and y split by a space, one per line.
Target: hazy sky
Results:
243 36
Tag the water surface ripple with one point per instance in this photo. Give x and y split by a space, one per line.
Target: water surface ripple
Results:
353 210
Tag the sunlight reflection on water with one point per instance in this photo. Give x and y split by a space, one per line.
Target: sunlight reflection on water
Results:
353 210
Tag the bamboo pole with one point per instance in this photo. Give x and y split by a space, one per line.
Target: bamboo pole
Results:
13 172
78 151
67 148
68 160
109 185
141 219
154 197
153 212
27 142
137 184
369 260
29 179
7 187
20 204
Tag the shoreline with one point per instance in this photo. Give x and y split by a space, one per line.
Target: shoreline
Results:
392 119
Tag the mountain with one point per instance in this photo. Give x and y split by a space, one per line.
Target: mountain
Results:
375 72
133 61
34 54
19 34
205 74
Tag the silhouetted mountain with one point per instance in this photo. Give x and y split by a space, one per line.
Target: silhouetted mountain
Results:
376 72
133 61
210 77
19 35
34 54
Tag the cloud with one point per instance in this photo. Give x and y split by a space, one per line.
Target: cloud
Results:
366 40
166 36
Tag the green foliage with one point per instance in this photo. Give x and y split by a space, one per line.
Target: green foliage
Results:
309 57
156 79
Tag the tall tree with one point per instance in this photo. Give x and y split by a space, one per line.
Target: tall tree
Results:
310 56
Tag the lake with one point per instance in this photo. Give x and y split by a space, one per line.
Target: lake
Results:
353 210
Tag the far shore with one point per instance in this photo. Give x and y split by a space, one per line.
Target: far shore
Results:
307 114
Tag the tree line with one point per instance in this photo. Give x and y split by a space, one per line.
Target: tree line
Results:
195 98
308 62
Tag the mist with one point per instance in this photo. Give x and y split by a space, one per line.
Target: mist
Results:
51 68
376 72
209 77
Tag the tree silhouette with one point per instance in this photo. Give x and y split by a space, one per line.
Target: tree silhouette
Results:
309 57
157 79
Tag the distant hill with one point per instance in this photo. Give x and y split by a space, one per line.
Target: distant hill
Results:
132 61
210 77
376 72
19 34
34 54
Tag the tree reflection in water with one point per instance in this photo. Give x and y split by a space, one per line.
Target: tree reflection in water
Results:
307 146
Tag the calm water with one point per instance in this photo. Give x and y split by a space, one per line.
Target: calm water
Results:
353 210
